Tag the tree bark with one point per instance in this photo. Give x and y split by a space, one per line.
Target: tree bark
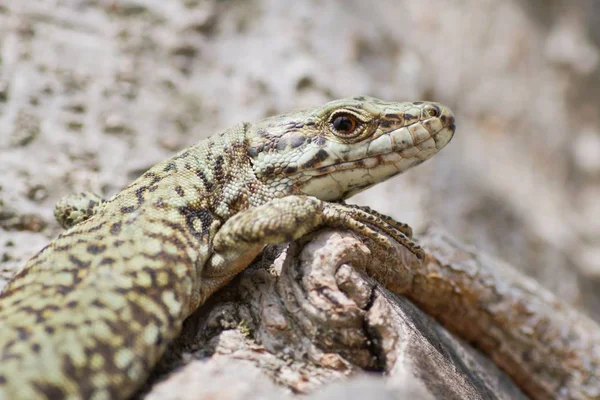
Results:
327 308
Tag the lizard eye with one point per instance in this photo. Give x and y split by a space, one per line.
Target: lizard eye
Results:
344 124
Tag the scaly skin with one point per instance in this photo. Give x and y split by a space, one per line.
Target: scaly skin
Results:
91 314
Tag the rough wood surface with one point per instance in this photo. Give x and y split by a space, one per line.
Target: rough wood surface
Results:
314 312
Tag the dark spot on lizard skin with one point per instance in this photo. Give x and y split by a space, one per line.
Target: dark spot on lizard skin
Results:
319 156
63 248
49 330
115 228
95 249
49 390
385 124
240 202
290 170
9 344
66 235
168 239
127 210
77 262
160 203
152 273
96 228
98 303
8 356
62 289
22 333
164 257
36 349
170 167
181 230
2 379
207 184
179 190
297 140
253 152
107 261
139 193
185 154
283 143
118 243
417 103
28 309
159 340
70 370
394 117
218 169
409 117
52 307
71 304
191 215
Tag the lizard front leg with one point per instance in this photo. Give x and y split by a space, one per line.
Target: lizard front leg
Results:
278 221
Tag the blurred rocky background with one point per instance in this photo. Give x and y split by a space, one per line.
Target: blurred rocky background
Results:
93 92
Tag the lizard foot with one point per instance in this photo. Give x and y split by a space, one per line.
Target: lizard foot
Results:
282 220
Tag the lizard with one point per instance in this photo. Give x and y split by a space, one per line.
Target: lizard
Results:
93 311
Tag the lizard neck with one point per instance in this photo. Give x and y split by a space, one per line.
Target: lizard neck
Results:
225 174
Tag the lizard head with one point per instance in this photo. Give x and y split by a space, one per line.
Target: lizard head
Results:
337 150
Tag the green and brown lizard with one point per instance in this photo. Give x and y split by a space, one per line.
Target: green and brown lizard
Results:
92 312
